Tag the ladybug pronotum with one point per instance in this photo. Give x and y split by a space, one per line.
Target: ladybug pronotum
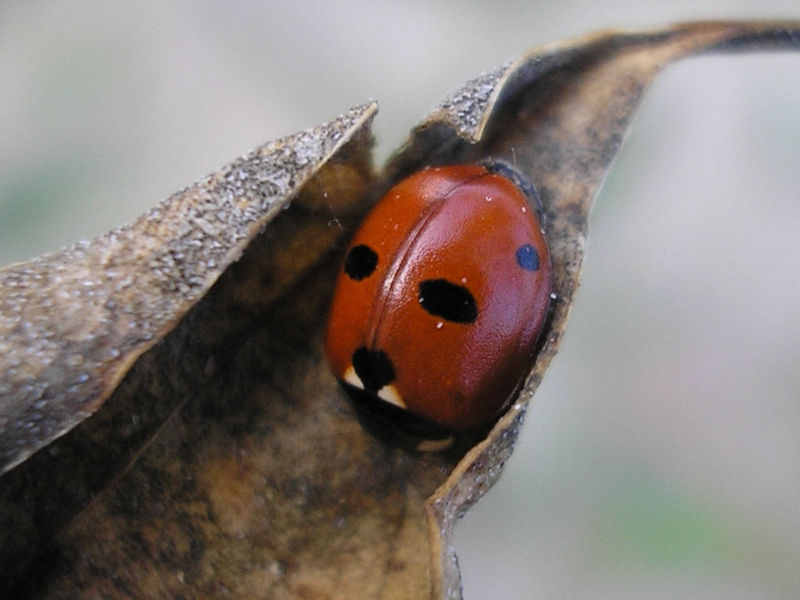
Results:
441 298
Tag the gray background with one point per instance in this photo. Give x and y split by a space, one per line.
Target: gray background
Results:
661 458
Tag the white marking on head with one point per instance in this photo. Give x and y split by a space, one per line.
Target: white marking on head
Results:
351 377
387 393
391 395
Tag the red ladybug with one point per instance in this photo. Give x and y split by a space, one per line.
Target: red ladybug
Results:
440 301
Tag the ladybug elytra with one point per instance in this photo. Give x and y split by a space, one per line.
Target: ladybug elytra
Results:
439 304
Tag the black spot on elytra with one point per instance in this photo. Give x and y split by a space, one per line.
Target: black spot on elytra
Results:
373 368
360 262
528 258
447 300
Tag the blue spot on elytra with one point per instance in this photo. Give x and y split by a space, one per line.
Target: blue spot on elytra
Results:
528 257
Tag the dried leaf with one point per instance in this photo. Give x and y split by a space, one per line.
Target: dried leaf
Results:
227 462
73 323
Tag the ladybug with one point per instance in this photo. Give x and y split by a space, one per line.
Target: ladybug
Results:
439 304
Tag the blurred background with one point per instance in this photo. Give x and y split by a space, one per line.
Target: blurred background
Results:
661 457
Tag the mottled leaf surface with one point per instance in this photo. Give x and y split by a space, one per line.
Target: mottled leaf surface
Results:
226 462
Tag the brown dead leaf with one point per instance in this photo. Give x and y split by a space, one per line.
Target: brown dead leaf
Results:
226 462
